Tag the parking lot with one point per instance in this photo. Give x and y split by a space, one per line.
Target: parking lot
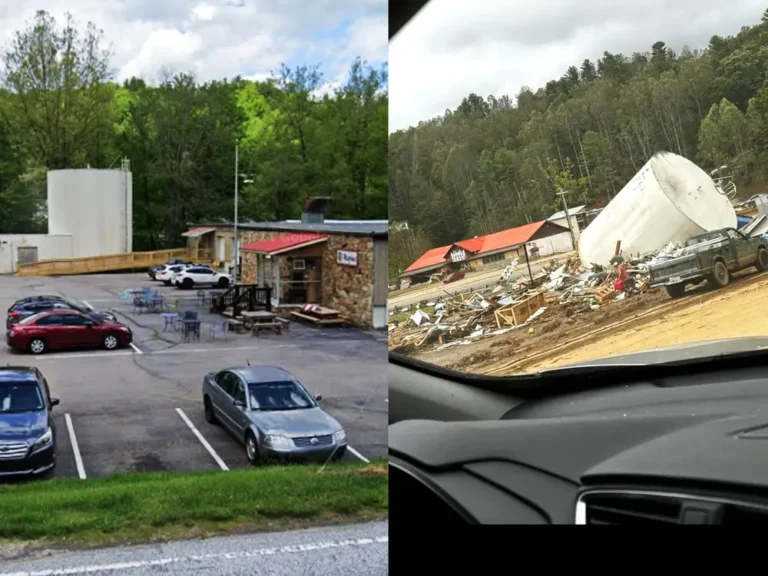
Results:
140 408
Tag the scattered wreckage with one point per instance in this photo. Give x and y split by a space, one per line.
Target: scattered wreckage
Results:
513 304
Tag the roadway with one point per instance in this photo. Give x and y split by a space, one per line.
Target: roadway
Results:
357 549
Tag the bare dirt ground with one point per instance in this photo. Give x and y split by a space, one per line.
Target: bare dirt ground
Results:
643 322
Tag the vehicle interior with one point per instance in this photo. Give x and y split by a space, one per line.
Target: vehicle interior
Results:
657 437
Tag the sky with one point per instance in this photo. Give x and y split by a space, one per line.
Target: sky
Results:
222 38
454 47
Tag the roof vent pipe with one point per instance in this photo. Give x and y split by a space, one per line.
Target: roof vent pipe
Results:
314 210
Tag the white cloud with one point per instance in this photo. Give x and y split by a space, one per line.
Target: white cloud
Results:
205 12
454 47
220 38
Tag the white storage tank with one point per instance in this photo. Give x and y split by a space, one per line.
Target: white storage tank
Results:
669 200
95 207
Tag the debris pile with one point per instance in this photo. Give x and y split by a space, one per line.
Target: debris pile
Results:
516 302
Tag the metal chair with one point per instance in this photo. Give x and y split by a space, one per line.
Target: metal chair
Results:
219 328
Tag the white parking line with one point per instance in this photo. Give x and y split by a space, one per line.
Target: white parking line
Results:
203 441
67 355
136 348
147 566
356 453
75 447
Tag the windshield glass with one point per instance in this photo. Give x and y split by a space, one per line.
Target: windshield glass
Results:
30 319
20 397
273 396
532 194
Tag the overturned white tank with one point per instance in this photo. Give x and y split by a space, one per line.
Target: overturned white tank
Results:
669 200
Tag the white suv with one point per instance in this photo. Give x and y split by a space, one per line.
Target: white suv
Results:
166 274
201 276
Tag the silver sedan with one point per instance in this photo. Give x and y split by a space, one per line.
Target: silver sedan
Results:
271 413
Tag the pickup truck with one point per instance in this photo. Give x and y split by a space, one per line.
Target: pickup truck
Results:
712 256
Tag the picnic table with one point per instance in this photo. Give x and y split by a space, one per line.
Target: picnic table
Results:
320 315
261 320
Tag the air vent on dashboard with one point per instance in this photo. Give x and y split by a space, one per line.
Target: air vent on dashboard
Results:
618 507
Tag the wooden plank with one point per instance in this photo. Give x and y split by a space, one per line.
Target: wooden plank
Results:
319 321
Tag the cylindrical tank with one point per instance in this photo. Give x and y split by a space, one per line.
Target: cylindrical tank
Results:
95 207
669 200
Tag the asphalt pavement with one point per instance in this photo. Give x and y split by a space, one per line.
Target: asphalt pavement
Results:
140 408
360 549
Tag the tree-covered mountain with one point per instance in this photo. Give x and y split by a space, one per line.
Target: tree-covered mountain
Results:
494 163
60 108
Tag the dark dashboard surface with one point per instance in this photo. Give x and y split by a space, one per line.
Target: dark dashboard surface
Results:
704 435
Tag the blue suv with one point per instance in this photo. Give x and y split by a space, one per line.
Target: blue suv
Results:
27 429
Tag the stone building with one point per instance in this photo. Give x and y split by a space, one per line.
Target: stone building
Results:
340 264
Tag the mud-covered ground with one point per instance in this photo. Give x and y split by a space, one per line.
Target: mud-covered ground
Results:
641 322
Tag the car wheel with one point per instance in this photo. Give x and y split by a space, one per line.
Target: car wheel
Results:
110 342
187 284
251 449
37 346
762 260
720 274
167 282
675 290
223 282
210 415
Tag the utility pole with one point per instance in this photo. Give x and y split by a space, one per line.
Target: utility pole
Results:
562 194
237 242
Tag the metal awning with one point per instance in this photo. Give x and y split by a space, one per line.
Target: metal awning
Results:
197 232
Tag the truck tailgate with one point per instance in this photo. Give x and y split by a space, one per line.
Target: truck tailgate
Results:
673 269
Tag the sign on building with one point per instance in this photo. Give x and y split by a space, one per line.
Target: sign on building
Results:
458 255
346 257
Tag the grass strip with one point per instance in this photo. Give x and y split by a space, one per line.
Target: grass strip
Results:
150 506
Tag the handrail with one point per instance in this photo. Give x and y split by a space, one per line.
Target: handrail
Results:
244 296
109 262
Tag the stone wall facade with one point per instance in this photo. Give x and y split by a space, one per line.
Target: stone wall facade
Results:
344 288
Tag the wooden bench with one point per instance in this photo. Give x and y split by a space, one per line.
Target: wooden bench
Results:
235 326
257 327
285 322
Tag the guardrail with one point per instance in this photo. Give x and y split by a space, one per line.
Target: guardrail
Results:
110 262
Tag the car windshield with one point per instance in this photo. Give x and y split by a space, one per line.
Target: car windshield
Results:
532 195
275 396
19 396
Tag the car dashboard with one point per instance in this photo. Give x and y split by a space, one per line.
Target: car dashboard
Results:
681 450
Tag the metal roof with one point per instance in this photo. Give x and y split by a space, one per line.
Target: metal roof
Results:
571 212
285 243
376 228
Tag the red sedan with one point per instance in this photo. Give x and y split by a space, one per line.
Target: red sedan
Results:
67 329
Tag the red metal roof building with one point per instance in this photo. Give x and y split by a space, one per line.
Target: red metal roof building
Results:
482 247
284 243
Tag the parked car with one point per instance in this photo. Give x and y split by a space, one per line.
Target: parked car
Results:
166 275
66 329
27 307
272 414
712 256
27 429
201 276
